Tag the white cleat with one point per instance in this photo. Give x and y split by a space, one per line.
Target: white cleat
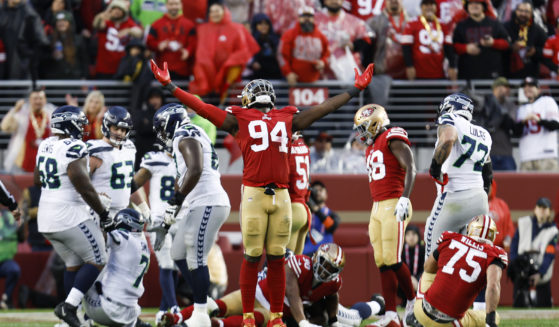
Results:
158 317
198 319
409 311
213 309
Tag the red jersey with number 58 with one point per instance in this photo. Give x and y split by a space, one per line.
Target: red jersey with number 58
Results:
299 165
386 176
463 263
264 139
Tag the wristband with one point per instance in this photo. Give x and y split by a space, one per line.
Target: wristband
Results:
104 215
178 199
435 169
353 91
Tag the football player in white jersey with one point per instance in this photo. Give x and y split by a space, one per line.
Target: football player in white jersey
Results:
198 186
113 299
63 218
158 167
111 162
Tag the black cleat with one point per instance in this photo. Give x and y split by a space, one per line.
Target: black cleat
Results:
380 300
67 313
141 323
411 321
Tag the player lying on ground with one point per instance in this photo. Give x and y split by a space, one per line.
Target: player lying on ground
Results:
113 299
315 280
264 136
461 266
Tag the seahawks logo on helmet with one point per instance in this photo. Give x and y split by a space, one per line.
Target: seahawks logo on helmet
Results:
130 220
68 120
166 121
459 104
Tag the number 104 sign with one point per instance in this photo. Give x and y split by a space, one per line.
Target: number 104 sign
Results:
307 96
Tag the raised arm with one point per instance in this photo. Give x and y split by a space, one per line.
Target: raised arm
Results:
220 118
307 117
447 135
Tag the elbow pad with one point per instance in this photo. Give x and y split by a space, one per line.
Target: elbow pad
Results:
487 174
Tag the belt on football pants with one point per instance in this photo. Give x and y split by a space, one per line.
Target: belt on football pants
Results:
434 314
270 189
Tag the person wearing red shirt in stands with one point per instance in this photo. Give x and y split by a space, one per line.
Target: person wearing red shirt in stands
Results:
283 13
500 213
114 28
172 38
304 50
264 136
425 44
299 167
228 47
551 52
364 9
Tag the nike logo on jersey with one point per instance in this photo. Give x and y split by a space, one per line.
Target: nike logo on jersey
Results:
265 116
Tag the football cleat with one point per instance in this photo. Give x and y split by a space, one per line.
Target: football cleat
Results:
167 320
277 322
409 311
483 227
198 319
213 308
68 314
368 122
390 319
141 323
380 300
411 321
328 262
159 316
248 322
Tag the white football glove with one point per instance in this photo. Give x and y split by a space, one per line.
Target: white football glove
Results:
306 323
170 214
402 210
160 231
145 212
105 200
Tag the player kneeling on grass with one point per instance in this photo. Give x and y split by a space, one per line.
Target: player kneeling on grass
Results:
113 298
313 280
463 266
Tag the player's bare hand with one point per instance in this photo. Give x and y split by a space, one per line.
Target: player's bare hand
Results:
319 65
17 214
162 75
361 81
402 211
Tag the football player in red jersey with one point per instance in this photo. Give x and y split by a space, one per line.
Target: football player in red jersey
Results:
391 169
463 266
315 280
264 136
299 166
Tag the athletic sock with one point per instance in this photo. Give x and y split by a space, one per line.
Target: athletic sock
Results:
183 267
247 282
222 308
276 283
185 313
404 280
85 277
232 321
74 297
69 277
167 283
365 311
200 284
389 284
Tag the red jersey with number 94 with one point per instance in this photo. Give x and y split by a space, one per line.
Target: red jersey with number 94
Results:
264 139
386 176
461 275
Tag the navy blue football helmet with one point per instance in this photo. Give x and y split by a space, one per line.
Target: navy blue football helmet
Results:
129 219
116 116
459 104
166 120
68 120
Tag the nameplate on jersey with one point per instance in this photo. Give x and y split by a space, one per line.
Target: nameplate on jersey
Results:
307 96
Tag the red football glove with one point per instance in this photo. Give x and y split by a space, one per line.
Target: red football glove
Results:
162 75
361 81
443 182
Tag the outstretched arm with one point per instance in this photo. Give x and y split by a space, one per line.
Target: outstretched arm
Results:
307 117
218 117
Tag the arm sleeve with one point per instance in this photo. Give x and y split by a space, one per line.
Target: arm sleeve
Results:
548 256
408 55
330 220
500 44
450 54
208 111
6 198
549 124
153 39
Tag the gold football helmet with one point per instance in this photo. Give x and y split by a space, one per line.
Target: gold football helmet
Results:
368 121
258 91
327 262
482 226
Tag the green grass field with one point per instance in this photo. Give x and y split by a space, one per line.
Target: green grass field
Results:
509 317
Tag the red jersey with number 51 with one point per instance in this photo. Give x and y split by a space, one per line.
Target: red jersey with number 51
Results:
264 139
299 165
386 176
461 274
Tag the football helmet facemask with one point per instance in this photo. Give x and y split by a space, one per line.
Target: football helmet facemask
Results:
166 120
482 227
120 117
368 121
258 92
68 120
459 104
328 262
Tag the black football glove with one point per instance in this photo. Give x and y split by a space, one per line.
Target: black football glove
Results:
107 223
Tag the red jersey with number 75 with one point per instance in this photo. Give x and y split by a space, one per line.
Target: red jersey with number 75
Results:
386 176
299 165
264 139
461 274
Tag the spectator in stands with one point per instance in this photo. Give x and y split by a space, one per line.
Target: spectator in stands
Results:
133 63
304 50
324 158
195 10
94 108
143 122
239 10
551 52
388 28
527 42
425 45
114 29
342 30
173 39
28 122
497 116
228 48
50 15
22 33
324 221
265 64
540 121
284 13
500 213
413 255
29 204
202 122
9 269
351 160
68 58
535 237
480 42
146 12
446 10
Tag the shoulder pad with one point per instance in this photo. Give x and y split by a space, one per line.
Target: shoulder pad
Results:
129 145
290 109
152 159
76 150
397 132
98 146
446 119
445 236
233 109
187 130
